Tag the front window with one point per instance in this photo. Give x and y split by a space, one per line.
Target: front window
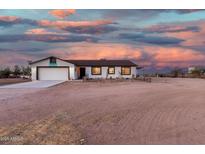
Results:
126 71
111 70
96 70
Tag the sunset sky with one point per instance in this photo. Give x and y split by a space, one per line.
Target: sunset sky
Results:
156 39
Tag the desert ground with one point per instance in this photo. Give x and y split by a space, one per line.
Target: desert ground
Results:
12 81
165 111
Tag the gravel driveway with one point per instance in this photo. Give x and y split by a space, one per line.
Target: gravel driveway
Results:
166 111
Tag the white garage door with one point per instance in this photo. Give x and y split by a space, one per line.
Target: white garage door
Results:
53 73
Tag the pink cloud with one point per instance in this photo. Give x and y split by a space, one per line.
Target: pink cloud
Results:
70 24
177 54
39 31
156 56
62 13
174 56
9 19
97 51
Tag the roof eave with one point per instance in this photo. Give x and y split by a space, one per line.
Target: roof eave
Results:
31 63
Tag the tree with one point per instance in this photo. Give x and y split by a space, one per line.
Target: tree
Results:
5 73
176 72
26 71
17 71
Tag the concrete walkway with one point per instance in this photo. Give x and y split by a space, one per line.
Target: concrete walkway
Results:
33 84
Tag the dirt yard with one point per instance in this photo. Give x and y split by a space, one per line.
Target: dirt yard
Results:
166 111
12 81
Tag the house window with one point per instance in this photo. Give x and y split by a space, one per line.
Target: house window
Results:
52 60
111 70
96 70
125 70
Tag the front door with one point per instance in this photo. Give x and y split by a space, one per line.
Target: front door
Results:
82 72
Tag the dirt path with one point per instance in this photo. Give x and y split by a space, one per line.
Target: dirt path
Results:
166 111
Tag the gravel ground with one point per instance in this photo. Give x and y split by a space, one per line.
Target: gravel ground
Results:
166 111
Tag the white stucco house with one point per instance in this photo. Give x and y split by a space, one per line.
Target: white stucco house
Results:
53 68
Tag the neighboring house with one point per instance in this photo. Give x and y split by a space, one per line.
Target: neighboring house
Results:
191 69
195 68
53 68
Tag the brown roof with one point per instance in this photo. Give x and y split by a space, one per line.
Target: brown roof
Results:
101 62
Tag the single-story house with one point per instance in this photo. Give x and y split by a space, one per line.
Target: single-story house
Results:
53 68
196 68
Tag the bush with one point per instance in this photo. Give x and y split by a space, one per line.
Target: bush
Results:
5 73
196 72
17 72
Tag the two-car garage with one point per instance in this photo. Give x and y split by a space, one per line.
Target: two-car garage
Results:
52 68
52 73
